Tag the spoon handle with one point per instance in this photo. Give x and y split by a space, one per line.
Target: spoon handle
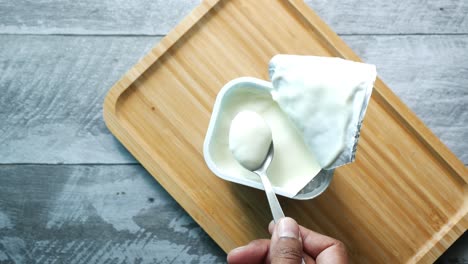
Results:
275 206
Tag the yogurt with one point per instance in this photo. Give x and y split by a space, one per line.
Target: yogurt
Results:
293 165
249 139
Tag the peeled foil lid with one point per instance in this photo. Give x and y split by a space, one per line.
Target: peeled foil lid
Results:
281 63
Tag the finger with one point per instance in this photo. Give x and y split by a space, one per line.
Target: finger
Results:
333 254
254 252
271 227
315 244
286 244
308 259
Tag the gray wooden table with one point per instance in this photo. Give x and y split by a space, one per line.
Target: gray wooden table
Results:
69 191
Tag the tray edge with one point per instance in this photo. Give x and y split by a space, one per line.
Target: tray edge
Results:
385 94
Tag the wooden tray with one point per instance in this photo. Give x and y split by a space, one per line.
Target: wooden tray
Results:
403 200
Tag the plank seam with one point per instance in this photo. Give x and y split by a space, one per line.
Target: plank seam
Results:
81 35
163 35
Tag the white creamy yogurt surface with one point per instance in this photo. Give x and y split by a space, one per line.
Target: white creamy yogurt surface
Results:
293 165
249 139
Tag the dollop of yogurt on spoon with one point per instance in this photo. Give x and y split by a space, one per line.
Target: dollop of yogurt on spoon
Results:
249 139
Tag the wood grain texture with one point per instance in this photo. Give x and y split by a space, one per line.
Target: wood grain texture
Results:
457 253
95 214
393 17
108 17
70 129
52 90
404 212
430 75
147 17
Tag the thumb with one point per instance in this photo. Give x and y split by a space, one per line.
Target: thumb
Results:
286 243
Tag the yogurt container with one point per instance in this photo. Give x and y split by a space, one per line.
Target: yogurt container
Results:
216 149
314 106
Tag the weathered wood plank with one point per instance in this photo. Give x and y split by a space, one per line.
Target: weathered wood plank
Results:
53 88
140 17
99 214
430 74
52 94
95 214
393 17
158 17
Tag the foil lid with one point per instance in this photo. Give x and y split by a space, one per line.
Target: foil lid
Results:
352 83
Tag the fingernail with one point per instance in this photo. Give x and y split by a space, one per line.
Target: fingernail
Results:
287 227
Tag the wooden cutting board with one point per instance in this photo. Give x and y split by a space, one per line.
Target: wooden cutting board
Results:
403 200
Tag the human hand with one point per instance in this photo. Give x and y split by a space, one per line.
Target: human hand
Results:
289 244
